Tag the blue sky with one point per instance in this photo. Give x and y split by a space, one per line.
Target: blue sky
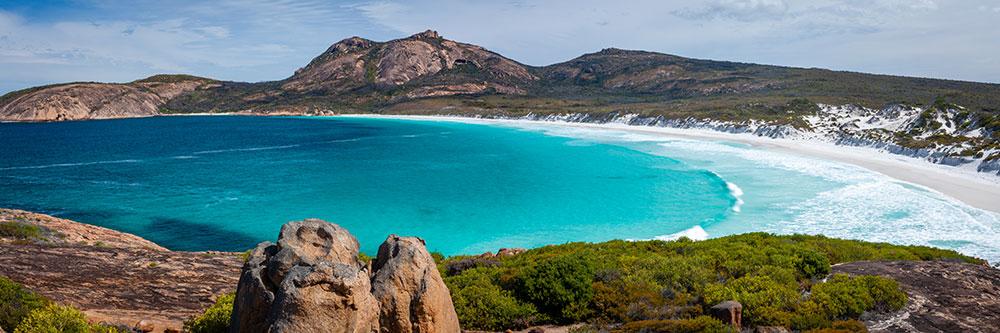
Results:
45 42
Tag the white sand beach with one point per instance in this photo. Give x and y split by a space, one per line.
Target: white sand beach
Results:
975 189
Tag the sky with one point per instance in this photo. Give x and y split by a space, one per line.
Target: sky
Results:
43 42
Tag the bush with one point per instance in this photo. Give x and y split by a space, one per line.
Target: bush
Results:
846 297
216 317
20 231
812 263
616 301
16 303
764 299
843 297
59 319
482 305
361 256
560 287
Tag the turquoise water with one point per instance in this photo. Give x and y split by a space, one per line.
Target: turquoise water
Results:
227 183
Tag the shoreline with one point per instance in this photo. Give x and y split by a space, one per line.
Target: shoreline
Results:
973 189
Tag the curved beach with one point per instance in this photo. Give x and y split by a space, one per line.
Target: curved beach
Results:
978 190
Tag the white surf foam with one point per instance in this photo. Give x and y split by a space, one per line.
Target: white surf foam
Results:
693 233
827 170
243 149
886 211
69 164
737 193
871 206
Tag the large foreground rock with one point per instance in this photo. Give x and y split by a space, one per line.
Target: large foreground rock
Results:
408 286
328 297
312 281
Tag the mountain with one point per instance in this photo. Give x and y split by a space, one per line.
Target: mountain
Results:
357 74
941 120
91 100
427 73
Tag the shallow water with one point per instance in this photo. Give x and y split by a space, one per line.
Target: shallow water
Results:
226 183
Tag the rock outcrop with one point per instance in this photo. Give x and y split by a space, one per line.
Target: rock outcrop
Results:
729 312
62 231
312 280
941 296
123 286
407 284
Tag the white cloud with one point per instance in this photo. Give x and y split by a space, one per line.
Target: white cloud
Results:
904 37
254 40
743 10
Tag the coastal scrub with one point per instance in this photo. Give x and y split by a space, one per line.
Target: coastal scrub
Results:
648 285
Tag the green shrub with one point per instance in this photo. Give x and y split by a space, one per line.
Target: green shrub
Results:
617 301
216 317
560 287
437 256
812 263
482 305
246 255
846 297
764 299
20 231
843 297
55 319
16 302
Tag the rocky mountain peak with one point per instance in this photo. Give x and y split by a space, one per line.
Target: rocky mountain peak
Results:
421 65
428 34
349 45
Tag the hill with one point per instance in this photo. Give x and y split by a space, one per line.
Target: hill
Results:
944 121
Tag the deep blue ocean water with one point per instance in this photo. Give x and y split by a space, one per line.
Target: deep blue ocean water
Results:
227 183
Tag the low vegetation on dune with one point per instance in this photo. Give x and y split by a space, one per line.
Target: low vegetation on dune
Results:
669 286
